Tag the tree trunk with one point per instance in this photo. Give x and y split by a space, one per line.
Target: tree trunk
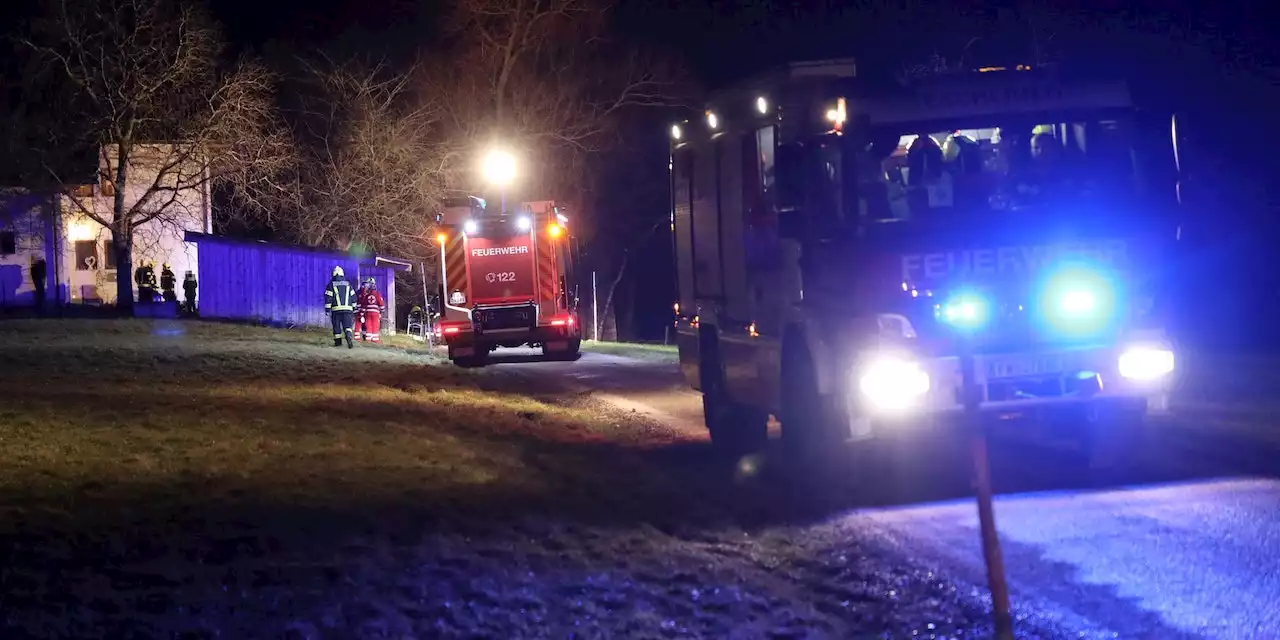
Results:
608 299
122 229
122 244
626 319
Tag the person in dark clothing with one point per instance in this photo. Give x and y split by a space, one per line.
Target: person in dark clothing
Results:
167 283
39 275
339 303
189 285
145 278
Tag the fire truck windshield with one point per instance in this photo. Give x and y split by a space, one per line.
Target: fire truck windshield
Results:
930 175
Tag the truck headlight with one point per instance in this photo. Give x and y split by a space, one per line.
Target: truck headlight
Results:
892 383
1146 363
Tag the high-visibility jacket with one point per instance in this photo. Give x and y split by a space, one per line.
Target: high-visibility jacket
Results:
371 301
339 296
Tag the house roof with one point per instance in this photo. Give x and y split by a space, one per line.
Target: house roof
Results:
396 264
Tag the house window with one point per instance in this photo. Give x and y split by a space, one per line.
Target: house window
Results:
83 191
87 255
108 188
8 243
109 254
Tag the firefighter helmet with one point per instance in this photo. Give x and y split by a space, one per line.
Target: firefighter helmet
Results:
370 282
338 272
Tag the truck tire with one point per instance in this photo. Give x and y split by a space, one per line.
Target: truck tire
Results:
571 353
735 429
472 362
813 426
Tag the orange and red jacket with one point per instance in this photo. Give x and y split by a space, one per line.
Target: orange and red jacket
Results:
370 301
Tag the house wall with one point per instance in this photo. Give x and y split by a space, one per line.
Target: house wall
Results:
29 220
159 241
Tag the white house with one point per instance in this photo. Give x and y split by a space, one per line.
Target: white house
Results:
78 250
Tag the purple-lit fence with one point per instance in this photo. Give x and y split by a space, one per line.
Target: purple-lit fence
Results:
278 284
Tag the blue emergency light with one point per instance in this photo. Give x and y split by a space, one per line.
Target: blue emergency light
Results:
1079 300
966 311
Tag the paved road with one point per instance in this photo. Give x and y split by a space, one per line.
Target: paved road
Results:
1190 550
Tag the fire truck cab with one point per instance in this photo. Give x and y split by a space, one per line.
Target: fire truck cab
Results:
506 281
840 242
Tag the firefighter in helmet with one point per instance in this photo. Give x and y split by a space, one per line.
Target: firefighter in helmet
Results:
167 282
339 303
145 277
371 304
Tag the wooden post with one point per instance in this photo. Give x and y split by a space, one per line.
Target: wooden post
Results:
996 581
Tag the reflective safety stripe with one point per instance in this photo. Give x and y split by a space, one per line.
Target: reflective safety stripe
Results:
337 336
338 296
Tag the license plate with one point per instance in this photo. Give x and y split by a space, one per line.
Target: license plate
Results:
462 352
558 346
1024 366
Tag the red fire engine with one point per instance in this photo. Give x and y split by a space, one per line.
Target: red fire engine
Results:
506 281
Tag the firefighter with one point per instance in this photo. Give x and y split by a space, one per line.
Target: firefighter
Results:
167 282
189 285
371 304
145 278
338 303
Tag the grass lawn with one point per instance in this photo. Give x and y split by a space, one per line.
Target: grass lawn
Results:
160 442
198 480
654 352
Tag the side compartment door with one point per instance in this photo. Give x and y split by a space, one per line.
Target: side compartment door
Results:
682 172
764 261
682 176
738 346
707 274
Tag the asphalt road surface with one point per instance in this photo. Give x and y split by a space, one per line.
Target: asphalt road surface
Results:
1187 546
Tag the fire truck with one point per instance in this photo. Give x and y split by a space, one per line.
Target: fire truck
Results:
841 243
506 281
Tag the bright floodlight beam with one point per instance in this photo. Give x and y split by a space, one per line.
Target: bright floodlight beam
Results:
499 168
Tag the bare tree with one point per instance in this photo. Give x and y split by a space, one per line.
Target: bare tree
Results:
365 170
138 84
541 77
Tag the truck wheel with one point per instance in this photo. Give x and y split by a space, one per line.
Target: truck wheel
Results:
735 429
575 347
812 426
471 362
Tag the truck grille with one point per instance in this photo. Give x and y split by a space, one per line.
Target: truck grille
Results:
496 318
